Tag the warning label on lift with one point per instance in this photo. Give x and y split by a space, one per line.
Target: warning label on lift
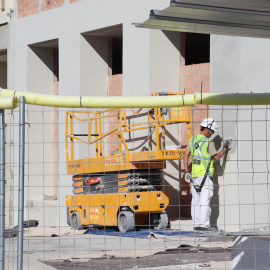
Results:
123 189
78 190
78 177
147 165
113 161
72 166
78 184
93 214
121 176
122 183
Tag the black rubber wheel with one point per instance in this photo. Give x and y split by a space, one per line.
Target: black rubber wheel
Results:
75 221
163 222
68 216
126 222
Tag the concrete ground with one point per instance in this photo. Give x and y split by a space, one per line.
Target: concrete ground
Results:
63 248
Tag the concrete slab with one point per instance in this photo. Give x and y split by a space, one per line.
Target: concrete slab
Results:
50 231
61 244
208 266
184 224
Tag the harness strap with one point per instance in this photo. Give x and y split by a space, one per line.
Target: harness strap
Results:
197 143
202 158
198 157
199 188
203 142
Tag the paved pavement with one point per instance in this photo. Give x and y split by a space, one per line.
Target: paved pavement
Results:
63 248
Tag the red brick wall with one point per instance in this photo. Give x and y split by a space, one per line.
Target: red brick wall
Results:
195 78
27 7
115 85
30 7
115 89
50 4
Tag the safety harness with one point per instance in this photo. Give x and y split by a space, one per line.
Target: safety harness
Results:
198 188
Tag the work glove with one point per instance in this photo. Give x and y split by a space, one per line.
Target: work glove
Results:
187 177
227 144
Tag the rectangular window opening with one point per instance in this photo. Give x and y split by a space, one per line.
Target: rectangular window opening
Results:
197 48
3 69
117 56
56 64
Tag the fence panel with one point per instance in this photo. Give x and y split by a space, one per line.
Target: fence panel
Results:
105 189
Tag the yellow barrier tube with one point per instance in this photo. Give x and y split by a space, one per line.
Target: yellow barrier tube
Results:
133 102
102 102
233 99
8 103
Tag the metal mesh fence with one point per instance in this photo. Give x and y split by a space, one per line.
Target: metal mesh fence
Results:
105 189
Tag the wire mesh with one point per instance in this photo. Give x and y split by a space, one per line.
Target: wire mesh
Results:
82 192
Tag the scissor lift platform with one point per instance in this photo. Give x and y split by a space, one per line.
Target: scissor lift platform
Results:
122 189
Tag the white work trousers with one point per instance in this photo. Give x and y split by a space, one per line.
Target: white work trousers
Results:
200 204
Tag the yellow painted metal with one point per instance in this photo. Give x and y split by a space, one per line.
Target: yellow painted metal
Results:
8 103
67 138
72 139
103 209
135 102
178 114
97 209
154 101
90 129
101 135
233 99
125 160
136 160
120 127
100 102
96 132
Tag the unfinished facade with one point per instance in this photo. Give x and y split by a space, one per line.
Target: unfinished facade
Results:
92 48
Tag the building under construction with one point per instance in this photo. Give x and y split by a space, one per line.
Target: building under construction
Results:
95 48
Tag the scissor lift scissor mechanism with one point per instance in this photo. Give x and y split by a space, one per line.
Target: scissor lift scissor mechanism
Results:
122 188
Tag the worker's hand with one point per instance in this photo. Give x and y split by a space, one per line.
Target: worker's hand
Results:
227 144
187 177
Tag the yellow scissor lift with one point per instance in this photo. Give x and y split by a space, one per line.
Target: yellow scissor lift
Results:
122 189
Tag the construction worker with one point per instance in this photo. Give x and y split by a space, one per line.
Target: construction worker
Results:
204 153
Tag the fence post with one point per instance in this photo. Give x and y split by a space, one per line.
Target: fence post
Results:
2 189
21 183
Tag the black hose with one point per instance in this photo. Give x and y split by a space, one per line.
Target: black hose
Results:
147 138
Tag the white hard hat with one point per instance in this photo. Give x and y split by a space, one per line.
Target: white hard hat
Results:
209 123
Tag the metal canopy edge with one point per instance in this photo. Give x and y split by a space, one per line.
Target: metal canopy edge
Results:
255 5
201 17
203 29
